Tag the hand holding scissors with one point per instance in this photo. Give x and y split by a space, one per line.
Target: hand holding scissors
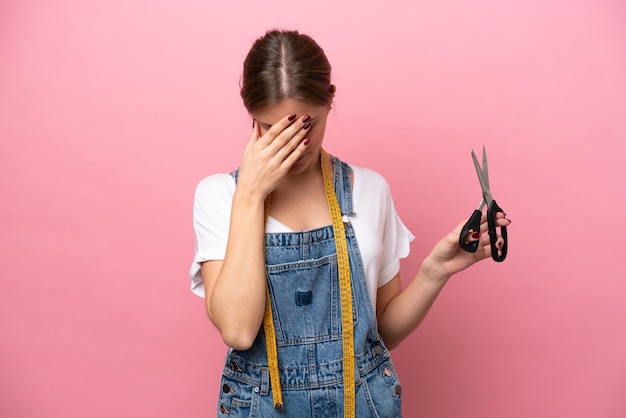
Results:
473 224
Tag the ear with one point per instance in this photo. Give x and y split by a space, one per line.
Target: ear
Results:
332 89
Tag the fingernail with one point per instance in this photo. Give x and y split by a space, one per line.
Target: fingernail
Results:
306 118
306 141
476 235
499 245
306 125
291 117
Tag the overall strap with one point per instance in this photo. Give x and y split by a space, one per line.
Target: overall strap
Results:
339 198
343 185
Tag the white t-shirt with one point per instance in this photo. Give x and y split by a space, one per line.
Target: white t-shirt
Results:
382 237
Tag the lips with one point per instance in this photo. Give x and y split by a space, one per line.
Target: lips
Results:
302 157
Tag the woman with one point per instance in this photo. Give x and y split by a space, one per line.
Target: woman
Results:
298 255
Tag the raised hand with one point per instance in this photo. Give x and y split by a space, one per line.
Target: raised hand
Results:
268 156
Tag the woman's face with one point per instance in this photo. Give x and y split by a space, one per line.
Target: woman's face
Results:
269 115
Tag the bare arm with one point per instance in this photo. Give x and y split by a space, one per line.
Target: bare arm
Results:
400 312
235 287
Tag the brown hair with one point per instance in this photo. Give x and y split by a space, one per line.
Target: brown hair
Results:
285 65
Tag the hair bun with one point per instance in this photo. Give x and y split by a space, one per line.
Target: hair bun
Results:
332 89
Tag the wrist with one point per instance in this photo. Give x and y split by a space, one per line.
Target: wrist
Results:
248 197
435 271
248 203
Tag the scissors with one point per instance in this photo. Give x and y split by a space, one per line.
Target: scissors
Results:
473 224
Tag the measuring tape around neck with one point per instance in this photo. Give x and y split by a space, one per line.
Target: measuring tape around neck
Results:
345 294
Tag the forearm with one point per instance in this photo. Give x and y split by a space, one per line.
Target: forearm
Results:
408 308
237 299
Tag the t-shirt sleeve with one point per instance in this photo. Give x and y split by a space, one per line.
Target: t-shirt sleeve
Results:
396 239
211 220
383 238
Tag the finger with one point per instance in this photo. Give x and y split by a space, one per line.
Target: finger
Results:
292 157
499 245
289 138
485 243
503 222
254 135
293 144
500 222
472 236
276 129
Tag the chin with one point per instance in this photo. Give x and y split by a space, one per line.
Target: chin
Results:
302 164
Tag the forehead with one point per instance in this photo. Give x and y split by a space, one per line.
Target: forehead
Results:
273 113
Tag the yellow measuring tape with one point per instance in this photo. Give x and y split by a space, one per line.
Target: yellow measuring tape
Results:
345 293
270 336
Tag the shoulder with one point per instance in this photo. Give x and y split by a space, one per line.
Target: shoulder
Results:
215 190
370 180
216 183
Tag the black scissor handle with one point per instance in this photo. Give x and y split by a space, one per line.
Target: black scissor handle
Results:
493 233
473 224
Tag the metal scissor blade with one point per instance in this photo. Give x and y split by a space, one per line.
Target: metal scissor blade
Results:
485 167
484 182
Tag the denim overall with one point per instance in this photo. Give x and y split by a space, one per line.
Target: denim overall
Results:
304 292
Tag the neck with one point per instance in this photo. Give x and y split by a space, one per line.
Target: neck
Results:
311 174
299 201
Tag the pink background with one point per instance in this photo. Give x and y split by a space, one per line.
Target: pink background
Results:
111 112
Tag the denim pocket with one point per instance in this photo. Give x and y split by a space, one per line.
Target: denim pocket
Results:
383 392
306 302
236 399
